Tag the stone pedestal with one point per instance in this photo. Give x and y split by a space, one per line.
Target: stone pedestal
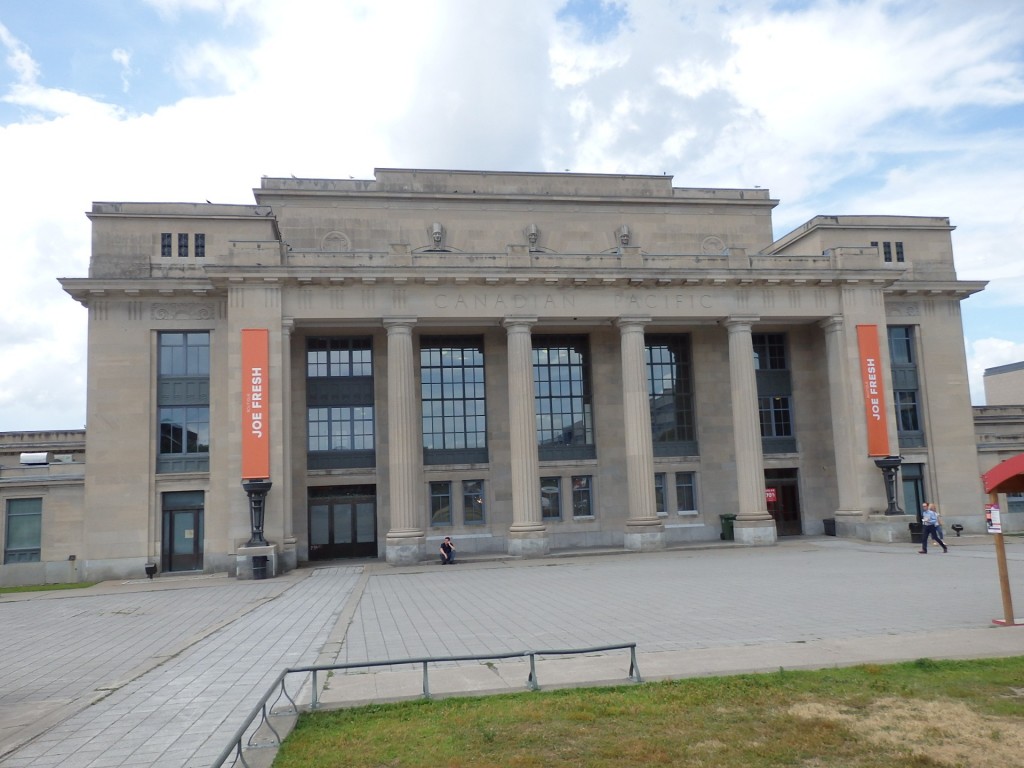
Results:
244 556
888 529
754 532
528 543
406 550
289 555
644 538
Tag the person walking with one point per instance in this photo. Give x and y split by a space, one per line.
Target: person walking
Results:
929 522
938 524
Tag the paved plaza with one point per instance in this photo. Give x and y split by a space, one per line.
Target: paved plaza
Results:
162 673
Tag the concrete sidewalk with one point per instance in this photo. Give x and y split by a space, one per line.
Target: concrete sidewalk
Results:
162 673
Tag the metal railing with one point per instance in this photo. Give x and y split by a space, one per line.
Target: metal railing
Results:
239 743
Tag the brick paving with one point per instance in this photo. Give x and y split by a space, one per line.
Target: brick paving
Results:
162 673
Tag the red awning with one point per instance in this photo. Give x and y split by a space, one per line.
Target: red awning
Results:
1007 477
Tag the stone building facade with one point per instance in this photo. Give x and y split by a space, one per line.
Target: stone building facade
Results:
526 362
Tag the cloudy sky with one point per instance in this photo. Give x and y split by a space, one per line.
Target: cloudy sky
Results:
836 106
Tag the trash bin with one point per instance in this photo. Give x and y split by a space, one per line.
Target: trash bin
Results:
915 532
830 526
727 532
259 566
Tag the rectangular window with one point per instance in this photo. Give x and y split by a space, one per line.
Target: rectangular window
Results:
24 531
899 252
659 493
769 351
165 244
452 395
199 240
562 397
906 393
183 394
775 416
907 419
340 414
341 428
670 390
185 354
441 503
582 496
185 430
887 251
473 502
339 358
686 492
182 245
551 498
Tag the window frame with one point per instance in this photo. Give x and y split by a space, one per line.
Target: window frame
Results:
453 399
555 496
440 515
562 389
474 500
582 496
23 554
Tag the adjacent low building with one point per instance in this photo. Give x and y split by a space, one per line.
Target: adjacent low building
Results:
523 361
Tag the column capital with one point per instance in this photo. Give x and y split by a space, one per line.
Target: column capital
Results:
398 323
628 323
832 324
519 321
287 325
739 322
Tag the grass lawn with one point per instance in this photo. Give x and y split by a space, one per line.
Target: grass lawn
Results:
45 587
923 713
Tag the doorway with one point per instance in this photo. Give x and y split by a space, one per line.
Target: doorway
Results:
783 499
342 522
182 545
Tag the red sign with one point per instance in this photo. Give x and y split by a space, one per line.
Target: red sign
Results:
874 390
771 495
255 404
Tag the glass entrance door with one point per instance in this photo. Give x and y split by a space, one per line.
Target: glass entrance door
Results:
182 547
783 500
342 522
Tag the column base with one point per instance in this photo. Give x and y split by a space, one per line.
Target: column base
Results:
644 534
848 522
528 543
405 551
644 540
259 562
755 533
289 555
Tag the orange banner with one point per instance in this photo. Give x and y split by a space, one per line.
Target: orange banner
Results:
874 390
255 404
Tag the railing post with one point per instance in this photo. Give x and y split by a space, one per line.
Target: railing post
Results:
426 682
634 670
532 681
313 703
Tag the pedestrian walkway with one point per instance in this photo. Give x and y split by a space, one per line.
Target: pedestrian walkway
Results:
171 667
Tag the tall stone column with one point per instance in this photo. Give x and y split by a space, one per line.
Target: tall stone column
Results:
406 542
840 385
289 554
754 525
644 529
527 536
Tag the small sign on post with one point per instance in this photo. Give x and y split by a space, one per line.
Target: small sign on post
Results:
992 519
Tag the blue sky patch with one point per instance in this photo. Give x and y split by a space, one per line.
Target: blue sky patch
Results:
599 20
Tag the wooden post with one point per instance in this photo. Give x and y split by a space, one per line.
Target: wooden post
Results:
1004 578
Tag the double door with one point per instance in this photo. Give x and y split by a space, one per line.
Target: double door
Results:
342 522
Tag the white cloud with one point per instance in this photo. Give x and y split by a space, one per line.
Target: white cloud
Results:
842 107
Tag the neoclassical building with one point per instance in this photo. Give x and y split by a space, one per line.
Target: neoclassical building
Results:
526 362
